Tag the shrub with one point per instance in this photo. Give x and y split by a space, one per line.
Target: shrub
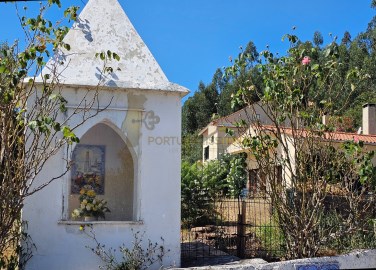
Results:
135 258
201 184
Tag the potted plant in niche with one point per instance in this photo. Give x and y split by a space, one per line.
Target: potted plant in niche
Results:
91 208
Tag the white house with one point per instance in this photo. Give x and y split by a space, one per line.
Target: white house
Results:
131 147
217 142
216 139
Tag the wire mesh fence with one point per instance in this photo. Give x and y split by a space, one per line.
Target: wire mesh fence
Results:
327 217
231 228
228 229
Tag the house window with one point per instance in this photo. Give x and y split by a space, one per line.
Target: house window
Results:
103 161
256 181
278 170
252 181
261 185
255 117
206 152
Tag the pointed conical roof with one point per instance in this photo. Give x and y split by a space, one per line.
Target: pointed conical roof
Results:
102 26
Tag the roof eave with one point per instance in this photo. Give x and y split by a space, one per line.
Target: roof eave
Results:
166 87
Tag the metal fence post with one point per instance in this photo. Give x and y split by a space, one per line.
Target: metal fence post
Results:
241 230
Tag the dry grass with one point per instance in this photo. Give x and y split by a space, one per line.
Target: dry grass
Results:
186 235
257 211
8 253
257 215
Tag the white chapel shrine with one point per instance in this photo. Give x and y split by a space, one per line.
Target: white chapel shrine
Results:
129 153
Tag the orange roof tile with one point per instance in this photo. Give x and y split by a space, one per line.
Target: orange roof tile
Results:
335 135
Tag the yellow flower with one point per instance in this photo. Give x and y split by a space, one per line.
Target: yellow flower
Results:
82 191
91 193
84 201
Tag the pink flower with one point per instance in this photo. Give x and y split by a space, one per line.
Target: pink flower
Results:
306 60
356 139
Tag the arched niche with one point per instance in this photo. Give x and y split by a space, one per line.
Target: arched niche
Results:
103 153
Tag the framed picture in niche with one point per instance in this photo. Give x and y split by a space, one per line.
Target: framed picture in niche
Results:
88 168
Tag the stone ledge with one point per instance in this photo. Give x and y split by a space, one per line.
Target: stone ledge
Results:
100 222
361 259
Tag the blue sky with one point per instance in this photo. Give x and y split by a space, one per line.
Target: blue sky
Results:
192 38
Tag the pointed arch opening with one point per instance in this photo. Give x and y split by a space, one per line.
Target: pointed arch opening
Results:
104 161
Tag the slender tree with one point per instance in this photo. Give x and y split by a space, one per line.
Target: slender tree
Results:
34 122
298 155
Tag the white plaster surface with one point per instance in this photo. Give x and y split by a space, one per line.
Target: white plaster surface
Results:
133 105
102 26
156 202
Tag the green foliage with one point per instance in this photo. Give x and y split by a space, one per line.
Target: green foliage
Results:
362 238
71 13
272 239
347 94
196 205
361 161
236 175
215 98
35 121
191 147
297 90
318 40
202 183
225 176
28 118
137 257
199 108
